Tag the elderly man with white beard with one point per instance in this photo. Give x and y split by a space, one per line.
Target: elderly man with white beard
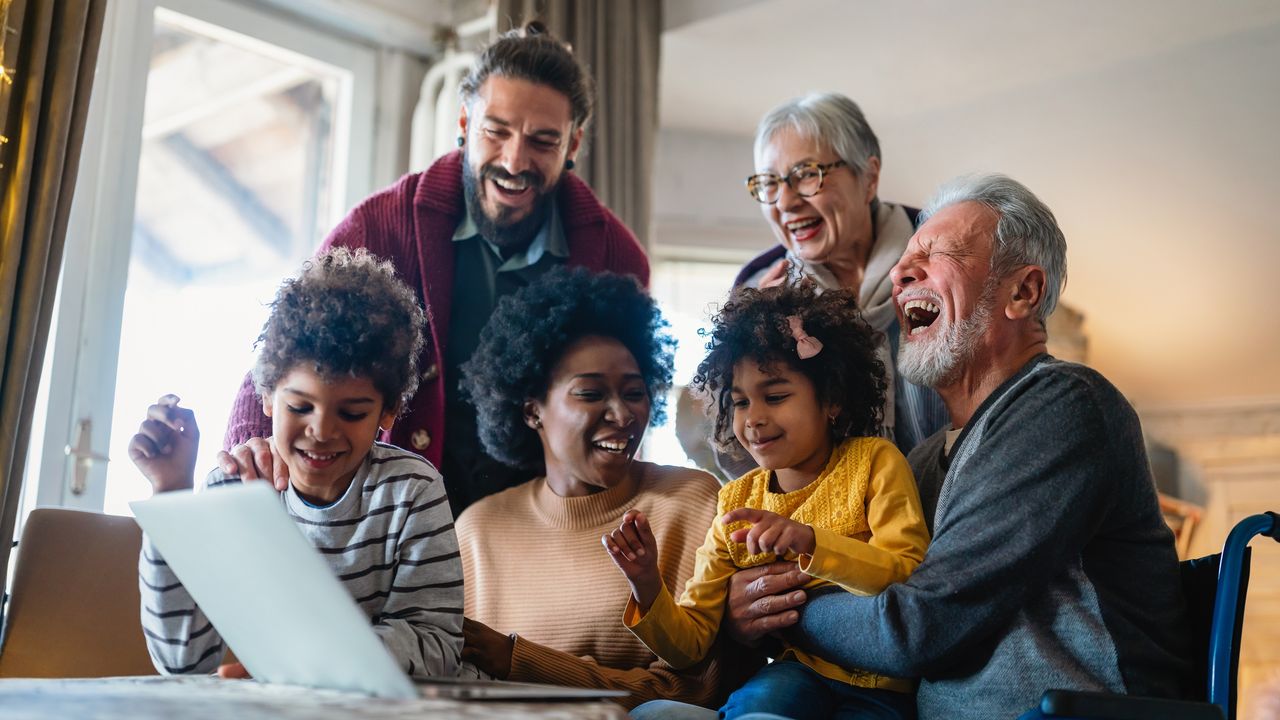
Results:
1051 566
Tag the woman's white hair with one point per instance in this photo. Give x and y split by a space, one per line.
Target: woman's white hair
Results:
830 118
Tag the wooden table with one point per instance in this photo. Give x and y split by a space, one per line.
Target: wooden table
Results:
197 698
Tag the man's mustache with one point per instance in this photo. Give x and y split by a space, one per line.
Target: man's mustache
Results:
530 177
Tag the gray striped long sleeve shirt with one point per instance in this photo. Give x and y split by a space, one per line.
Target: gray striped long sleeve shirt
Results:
389 539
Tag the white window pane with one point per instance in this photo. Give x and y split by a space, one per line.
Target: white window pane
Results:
233 184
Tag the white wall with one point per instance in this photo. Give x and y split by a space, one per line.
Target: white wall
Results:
700 198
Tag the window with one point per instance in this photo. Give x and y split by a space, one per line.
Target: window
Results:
689 293
223 144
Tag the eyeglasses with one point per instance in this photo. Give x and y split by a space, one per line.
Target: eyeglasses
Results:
805 180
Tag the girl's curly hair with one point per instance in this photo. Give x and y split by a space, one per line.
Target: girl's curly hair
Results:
752 324
527 335
346 315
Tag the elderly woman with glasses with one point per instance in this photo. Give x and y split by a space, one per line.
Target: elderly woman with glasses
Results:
817 172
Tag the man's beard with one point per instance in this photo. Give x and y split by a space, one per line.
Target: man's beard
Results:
504 231
937 361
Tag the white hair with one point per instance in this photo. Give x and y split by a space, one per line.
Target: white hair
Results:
1026 233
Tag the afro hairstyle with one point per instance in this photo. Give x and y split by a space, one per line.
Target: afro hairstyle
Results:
528 334
345 315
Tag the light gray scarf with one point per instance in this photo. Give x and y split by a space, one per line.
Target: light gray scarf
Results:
875 296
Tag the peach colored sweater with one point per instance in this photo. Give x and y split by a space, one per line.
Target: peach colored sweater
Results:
534 565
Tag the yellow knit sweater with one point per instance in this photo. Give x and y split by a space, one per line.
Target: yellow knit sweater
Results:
534 565
869 530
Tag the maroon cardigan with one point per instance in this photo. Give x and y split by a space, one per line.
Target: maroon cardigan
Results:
427 208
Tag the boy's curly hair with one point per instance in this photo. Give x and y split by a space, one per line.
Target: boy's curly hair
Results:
345 315
527 335
752 324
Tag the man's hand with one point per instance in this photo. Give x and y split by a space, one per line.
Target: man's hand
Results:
762 600
487 648
635 551
164 448
256 459
770 532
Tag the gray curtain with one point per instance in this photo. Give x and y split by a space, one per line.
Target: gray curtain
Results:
619 42
51 48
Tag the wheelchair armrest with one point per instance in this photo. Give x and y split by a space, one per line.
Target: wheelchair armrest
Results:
1105 706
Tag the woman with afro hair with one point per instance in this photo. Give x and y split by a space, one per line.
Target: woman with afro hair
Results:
569 373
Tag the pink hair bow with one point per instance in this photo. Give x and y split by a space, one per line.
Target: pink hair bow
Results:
806 345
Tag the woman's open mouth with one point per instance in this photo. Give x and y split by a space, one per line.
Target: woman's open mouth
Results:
805 229
613 446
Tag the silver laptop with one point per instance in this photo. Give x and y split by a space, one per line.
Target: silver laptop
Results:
277 604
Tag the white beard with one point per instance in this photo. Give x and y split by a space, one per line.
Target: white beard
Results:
936 360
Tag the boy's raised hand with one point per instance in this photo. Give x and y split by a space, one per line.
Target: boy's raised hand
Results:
770 532
635 551
164 448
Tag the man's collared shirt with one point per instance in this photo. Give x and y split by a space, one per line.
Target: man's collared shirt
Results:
550 239
480 278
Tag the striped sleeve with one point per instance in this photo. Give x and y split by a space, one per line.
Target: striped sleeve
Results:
421 620
179 637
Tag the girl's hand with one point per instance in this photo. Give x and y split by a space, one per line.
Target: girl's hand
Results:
487 648
635 551
164 448
770 532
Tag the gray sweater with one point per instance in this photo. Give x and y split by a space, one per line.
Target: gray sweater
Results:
389 539
1050 567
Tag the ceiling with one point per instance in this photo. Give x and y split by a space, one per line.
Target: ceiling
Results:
1149 126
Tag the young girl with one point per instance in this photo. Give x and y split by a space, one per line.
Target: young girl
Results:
338 360
794 377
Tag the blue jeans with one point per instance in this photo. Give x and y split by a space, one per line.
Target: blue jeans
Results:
672 710
792 689
788 689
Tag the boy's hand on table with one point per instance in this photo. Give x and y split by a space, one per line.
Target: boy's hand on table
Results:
233 671
256 459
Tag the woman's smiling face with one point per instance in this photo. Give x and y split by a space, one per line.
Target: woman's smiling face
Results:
833 224
593 416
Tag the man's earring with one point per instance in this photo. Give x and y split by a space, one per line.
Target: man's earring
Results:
537 423
461 141
569 164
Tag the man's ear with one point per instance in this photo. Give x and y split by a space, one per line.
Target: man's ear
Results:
462 120
872 177
268 403
575 144
1026 292
532 414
